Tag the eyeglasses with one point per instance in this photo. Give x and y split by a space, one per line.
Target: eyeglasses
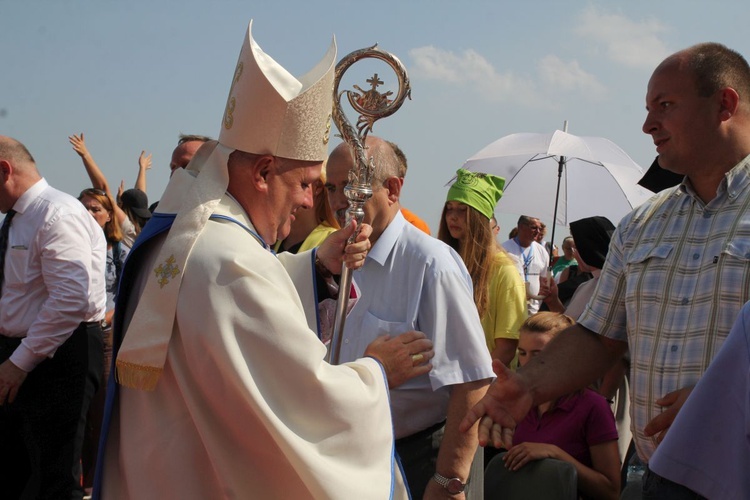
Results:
98 192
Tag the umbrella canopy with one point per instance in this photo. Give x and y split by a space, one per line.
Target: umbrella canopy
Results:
596 176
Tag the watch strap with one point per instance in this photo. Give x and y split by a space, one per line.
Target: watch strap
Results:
444 481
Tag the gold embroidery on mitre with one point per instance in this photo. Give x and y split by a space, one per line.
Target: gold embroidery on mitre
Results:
229 110
166 271
327 135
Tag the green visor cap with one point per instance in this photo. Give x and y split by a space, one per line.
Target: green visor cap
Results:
479 191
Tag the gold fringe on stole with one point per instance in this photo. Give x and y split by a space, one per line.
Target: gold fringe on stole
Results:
136 376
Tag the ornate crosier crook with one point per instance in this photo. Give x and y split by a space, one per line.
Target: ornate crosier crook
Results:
371 106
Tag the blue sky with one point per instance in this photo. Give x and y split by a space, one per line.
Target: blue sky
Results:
133 75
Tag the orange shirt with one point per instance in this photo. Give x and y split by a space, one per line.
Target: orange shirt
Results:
416 221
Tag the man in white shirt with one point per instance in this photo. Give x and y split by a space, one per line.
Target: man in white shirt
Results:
412 281
52 303
532 256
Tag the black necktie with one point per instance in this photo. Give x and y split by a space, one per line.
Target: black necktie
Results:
4 230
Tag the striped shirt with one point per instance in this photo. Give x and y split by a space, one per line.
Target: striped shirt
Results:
675 279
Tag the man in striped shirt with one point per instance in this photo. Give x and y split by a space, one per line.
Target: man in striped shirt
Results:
678 269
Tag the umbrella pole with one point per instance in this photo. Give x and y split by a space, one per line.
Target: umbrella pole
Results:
560 167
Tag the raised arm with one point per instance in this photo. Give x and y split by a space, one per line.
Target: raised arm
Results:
144 163
98 180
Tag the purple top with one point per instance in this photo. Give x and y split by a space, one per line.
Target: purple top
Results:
707 447
574 424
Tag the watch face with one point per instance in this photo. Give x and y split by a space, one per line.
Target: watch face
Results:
455 486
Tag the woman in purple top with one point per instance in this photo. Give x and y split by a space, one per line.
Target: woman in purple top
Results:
578 428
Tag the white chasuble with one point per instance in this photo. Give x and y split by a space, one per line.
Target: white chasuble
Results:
246 406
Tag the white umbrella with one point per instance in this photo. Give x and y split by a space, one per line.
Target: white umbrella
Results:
562 177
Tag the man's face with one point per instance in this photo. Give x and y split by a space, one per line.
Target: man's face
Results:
182 155
6 199
527 233
678 119
290 188
337 177
377 208
567 248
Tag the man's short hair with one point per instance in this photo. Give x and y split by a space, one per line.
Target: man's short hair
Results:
716 66
14 150
387 161
526 220
192 137
403 166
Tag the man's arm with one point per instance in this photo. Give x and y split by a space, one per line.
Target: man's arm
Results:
572 360
458 448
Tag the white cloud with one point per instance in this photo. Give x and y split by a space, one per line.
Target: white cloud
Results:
471 69
568 76
635 44
437 64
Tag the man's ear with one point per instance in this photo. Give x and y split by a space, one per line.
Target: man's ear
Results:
5 170
393 185
260 170
728 104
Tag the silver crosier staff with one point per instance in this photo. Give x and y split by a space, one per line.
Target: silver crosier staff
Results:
371 106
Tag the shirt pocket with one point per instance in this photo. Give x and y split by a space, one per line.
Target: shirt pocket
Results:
372 323
737 252
16 267
647 270
734 265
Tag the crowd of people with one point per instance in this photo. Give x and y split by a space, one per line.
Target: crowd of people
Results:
178 349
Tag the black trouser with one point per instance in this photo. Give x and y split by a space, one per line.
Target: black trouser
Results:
656 487
41 432
418 454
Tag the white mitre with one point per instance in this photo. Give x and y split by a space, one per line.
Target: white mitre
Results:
268 111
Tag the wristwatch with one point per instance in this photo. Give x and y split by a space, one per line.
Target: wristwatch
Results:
453 485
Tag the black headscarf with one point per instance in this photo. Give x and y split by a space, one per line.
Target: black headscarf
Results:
591 236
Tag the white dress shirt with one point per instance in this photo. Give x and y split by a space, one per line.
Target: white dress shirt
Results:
534 259
54 273
412 281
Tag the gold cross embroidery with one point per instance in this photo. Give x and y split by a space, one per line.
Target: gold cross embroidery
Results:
166 271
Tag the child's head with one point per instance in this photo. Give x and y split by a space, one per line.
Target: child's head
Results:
537 331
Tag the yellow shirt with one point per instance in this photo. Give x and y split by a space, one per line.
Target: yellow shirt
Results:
507 303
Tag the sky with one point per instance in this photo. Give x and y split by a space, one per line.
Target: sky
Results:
133 75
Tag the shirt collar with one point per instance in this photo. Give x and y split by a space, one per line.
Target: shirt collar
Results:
735 180
30 195
382 248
